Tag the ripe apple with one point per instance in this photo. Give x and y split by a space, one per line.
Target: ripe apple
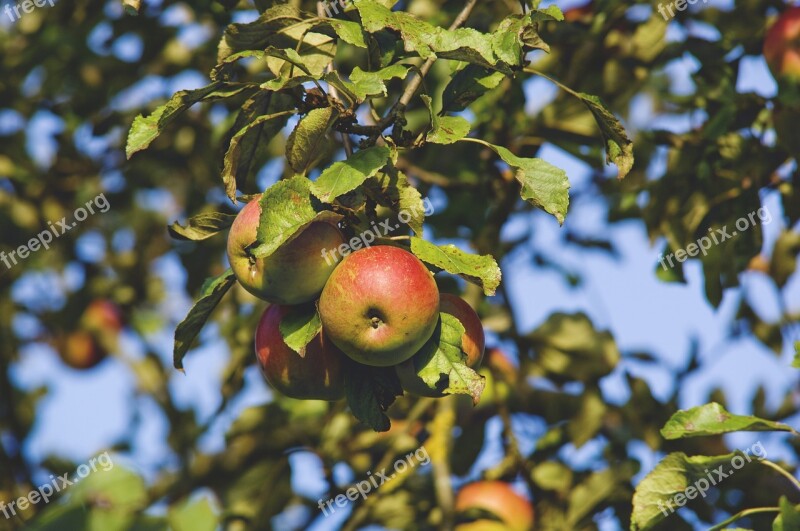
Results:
102 315
472 343
499 499
782 46
80 350
380 305
316 376
293 274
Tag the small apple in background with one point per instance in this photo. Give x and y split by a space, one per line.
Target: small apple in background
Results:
498 498
80 350
380 305
102 315
316 376
293 274
472 343
782 46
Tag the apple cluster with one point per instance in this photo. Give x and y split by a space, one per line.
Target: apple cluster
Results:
380 306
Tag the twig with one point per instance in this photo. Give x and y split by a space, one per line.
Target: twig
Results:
781 471
742 514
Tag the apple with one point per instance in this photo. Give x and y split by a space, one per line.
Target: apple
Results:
498 498
102 316
80 350
293 274
380 305
472 343
315 376
782 46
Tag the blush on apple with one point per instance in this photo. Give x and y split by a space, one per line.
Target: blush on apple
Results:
315 376
380 305
782 46
293 274
498 498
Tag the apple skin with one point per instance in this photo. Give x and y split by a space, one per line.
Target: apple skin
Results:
472 342
380 305
293 274
499 499
782 46
317 376
81 351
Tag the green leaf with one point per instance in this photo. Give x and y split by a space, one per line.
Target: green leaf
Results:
568 347
202 226
145 129
196 516
789 517
286 210
441 361
507 39
469 84
220 70
370 391
552 12
543 185
307 141
598 487
344 176
260 33
478 269
674 475
796 361
619 148
234 154
250 149
373 83
349 31
300 324
213 291
447 129
712 419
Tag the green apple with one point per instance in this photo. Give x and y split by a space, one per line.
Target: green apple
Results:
293 274
380 305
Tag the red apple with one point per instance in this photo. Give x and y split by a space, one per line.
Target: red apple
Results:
315 376
380 305
472 343
102 315
782 46
293 274
80 350
498 498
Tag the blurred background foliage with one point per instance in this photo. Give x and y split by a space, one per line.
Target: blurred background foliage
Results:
575 396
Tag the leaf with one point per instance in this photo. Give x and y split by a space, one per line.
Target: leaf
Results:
665 488
349 31
213 291
307 140
712 419
543 185
344 176
193 516
251 146
202 226
370 391
447 129
145 129
619 148
796 361
300 324
478 269
507 39
568 347
260 33
373 83
469 84
286 210
442 356
233 156
789 517
595 489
